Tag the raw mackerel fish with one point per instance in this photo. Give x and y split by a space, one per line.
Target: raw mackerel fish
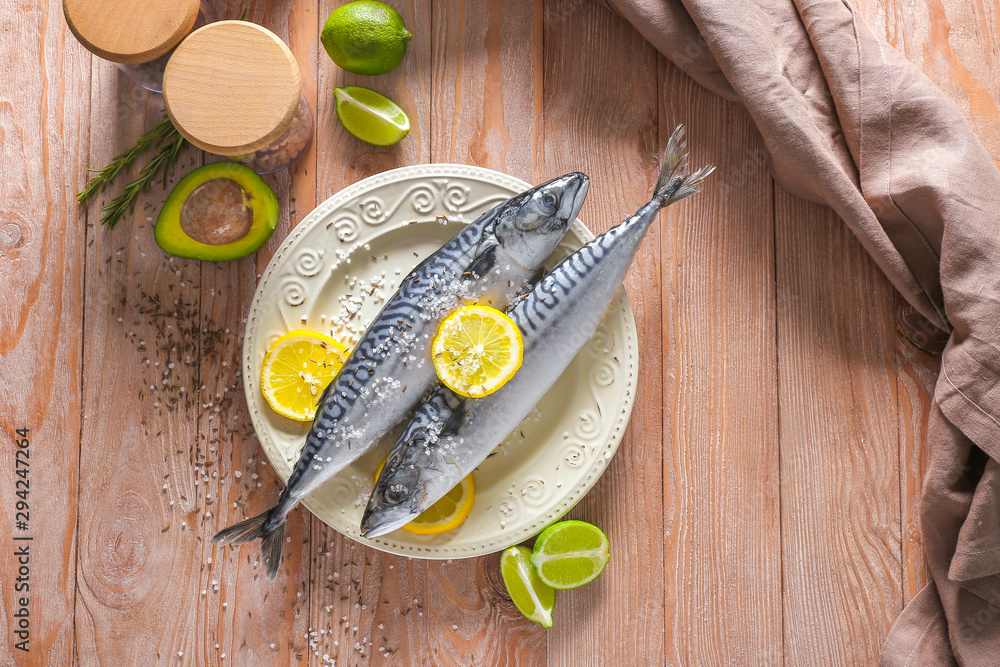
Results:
449 436
390 370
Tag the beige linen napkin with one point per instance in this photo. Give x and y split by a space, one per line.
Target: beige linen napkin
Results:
848 121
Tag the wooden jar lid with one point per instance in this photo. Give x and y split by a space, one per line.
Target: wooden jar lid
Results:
130 31
232 87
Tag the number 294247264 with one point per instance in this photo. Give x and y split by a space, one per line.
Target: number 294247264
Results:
22 483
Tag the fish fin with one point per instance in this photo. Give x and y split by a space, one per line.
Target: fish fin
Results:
270 547
688 185
673 157
458 409
258 528
482 264
672 186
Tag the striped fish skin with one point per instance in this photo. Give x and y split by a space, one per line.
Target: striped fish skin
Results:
390 369
449 436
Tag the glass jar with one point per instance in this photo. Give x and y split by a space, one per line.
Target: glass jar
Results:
233 88
284 151
138 43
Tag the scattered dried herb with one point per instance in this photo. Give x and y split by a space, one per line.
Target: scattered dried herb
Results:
166 140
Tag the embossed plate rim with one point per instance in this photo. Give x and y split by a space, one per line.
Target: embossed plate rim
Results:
558 504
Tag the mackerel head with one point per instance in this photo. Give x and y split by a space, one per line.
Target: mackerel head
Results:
450 435
390 368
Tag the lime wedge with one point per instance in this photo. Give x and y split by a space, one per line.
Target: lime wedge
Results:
570 554
530 595
370 116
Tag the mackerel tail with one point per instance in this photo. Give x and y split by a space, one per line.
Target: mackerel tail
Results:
450 436
672 185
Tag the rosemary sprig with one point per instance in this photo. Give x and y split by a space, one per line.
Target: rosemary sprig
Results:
168 142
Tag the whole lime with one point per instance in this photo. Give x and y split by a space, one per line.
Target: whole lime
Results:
365 37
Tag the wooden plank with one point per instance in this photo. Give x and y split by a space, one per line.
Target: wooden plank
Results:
840 495
606 125
487 84
360 597
43 127
721 488
486 95
185 317
141 553
249 613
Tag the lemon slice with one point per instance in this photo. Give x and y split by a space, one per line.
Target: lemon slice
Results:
449 512
476 350
532 596
370 116
296 369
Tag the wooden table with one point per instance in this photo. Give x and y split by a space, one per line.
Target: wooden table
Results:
762 509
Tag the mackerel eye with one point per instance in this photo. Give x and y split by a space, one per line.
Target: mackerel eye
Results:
394 494
549 201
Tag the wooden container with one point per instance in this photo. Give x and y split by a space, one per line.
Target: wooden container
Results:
137 35
233 88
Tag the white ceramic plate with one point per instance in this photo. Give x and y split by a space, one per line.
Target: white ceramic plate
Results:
389 223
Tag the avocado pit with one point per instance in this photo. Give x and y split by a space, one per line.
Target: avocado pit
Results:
217 212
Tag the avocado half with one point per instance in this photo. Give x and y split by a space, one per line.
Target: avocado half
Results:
217 213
